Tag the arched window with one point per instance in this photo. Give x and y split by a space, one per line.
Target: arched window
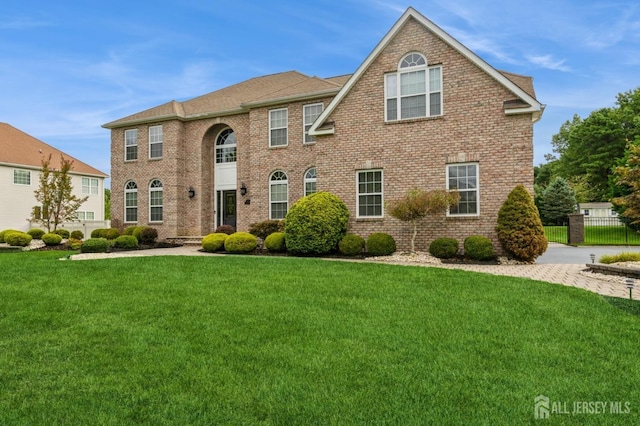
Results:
226 146
414 91
131 202
155 201
278 195
310 179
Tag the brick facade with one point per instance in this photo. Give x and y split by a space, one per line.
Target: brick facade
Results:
473 128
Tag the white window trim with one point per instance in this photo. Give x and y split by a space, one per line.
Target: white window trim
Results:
278 182
128 146
82 216
129 191
90 186
309 180
477 190
156 143
220 148
277 128
156 189
358 216
18 183
305 131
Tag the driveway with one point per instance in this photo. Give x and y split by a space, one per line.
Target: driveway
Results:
563 254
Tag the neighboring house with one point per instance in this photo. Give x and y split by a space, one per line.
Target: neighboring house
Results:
601 213
421 111
21 158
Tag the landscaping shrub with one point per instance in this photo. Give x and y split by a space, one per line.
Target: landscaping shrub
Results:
478 247
444 248
99 233
275 242
214 242
351 245
63 233
620 257
36 233
240 242
225 229
95 245
17 238
73 243
265 228
3 233
126 242
111 234
148 235
129 230
380 244
51 239
519 228
316 223
76 235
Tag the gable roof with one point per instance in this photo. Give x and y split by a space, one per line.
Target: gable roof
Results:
238 98
20 149
520 86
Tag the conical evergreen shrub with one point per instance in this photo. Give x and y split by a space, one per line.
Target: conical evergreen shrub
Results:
519 228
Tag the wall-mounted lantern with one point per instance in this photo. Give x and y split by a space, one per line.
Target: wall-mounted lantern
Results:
243 189
192 192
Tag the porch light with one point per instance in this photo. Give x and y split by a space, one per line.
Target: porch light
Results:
192 192
243 189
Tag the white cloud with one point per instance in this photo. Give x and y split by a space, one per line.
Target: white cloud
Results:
547 61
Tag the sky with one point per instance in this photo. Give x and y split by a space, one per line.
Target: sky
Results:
67 67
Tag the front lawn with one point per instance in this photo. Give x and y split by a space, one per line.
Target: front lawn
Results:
262 340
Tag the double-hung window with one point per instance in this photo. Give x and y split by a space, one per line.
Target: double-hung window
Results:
464 178
369 194
90 186
131 202
414 91
21 177
278 125
131 144
155 142
310 181
155 201
278 195
310 113
85 215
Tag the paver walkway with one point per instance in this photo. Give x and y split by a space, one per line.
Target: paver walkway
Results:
565 274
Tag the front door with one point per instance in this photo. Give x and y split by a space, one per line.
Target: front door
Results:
227 208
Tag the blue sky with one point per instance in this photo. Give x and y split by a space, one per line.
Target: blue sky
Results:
69 66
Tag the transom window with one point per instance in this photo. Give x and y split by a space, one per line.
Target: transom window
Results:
90 186
155 142
226 147
464 178
21 177
311 113
131 144
131 202
155 201
310 180
414 91
278 195
278 125
370 197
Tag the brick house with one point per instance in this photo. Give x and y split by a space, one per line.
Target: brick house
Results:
422 111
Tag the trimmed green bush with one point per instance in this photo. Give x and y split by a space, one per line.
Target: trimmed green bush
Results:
275 242
111 234
380 244
95 245
129 230
4 232
240 242
214 242
316 223
36 233
63 233
145 234
51 239
225 229
76 235
519 228
351 245
478 247
73 244
17 238
99 233
265 228
444 248
126 242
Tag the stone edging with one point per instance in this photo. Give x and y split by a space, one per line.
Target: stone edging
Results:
623 271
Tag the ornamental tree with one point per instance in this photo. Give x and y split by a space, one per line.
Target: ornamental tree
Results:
557 201
417 204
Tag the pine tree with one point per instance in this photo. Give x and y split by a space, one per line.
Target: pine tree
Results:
558 200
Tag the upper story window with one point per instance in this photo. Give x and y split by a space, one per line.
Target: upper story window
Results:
226 147
90 186
131 202
414 91
278 195
278 125
21 177
310 181
155 201
155 142
369 198
310 113
131 144
464 178
85 215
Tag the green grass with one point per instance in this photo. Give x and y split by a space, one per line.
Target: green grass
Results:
596 235
262 340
